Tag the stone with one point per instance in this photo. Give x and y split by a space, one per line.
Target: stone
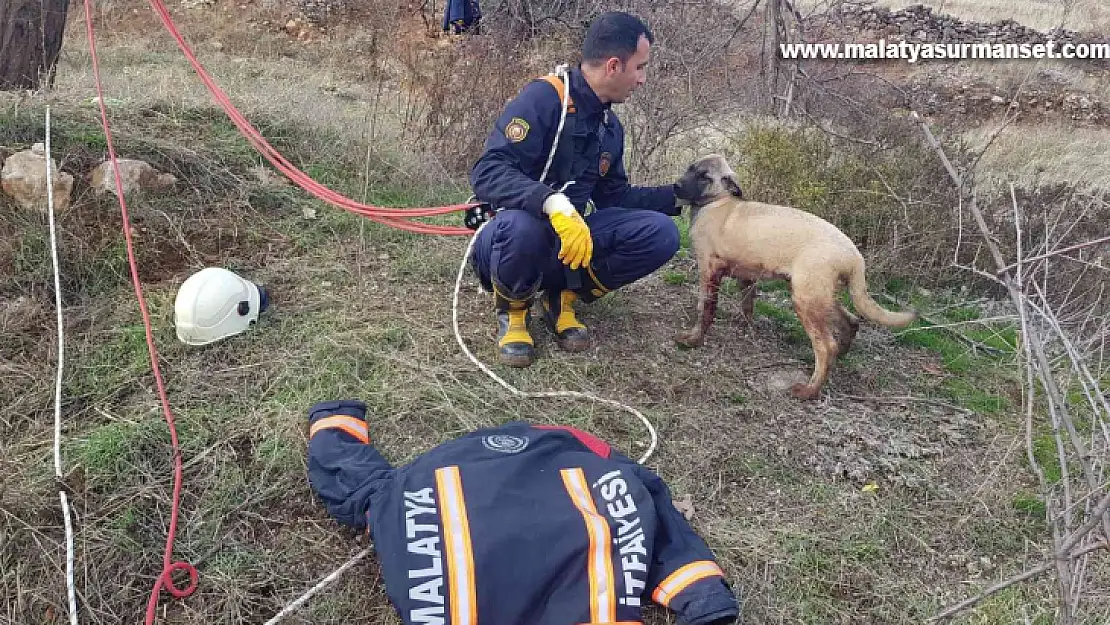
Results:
134 175
24 179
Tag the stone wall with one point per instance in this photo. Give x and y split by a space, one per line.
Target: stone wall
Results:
919 23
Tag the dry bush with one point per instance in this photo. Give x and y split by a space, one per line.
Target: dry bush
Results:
456 90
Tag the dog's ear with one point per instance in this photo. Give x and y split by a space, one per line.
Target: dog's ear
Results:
733 187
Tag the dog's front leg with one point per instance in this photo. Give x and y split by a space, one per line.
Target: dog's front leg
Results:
709 282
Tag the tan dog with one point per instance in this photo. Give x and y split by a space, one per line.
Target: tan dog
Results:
752 241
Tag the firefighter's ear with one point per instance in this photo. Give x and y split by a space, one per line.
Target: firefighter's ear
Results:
613 65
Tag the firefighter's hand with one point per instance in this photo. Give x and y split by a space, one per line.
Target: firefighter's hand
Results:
578 245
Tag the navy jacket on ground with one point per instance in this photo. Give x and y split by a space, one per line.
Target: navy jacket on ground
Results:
516 525
508 172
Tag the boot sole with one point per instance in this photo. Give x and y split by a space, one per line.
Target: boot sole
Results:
573 345
519 362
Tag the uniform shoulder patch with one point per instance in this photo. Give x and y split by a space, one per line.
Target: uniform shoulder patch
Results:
516 130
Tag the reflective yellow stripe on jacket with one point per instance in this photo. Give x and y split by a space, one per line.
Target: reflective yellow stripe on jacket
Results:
456 542
351 425
603 592
682 579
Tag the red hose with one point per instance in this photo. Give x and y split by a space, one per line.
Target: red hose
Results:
395 217
165 579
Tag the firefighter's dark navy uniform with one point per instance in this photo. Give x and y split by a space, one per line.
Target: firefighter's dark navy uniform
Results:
632 227
516 525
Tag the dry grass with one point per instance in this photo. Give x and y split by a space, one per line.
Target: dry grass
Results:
364 311
1046 154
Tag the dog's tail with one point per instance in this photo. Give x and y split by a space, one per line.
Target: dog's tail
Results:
857 286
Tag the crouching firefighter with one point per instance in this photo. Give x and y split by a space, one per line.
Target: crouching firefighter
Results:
516 525
568 225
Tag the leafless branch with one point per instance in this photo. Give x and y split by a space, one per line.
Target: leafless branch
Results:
1030 574
1059 252
1037 364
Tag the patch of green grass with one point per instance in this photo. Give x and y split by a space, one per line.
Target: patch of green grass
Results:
1044 450
784 319
112 453
1029 504
117 360
898 286
683 224
674 278
955 356
963 313
970 395
775 286
1003 339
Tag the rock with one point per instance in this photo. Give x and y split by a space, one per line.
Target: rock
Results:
24 178
134 175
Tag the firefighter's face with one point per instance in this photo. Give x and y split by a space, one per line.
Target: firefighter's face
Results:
626 78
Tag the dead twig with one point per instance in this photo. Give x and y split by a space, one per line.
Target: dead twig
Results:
1030 574
908 399
1070 248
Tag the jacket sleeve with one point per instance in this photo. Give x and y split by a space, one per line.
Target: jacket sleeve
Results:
516 150
613 189
344 469
684 576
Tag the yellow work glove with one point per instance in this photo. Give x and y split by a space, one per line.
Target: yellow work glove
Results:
578 245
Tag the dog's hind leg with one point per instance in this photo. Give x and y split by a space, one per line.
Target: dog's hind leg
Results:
816 306
709 282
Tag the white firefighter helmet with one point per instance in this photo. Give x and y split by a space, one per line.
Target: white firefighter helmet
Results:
215 303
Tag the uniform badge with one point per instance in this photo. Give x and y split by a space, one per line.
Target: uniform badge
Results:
505 443
516 130
603 165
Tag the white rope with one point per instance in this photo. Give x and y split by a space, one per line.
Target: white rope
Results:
519 393
561 73
318 587
70 587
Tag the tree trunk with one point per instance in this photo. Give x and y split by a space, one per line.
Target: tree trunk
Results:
30 40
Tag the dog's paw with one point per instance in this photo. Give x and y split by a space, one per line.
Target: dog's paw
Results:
805 391
688 339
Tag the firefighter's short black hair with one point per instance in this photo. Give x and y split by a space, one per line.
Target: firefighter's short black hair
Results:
614 34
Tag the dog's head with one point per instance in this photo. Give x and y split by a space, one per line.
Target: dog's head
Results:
708 179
